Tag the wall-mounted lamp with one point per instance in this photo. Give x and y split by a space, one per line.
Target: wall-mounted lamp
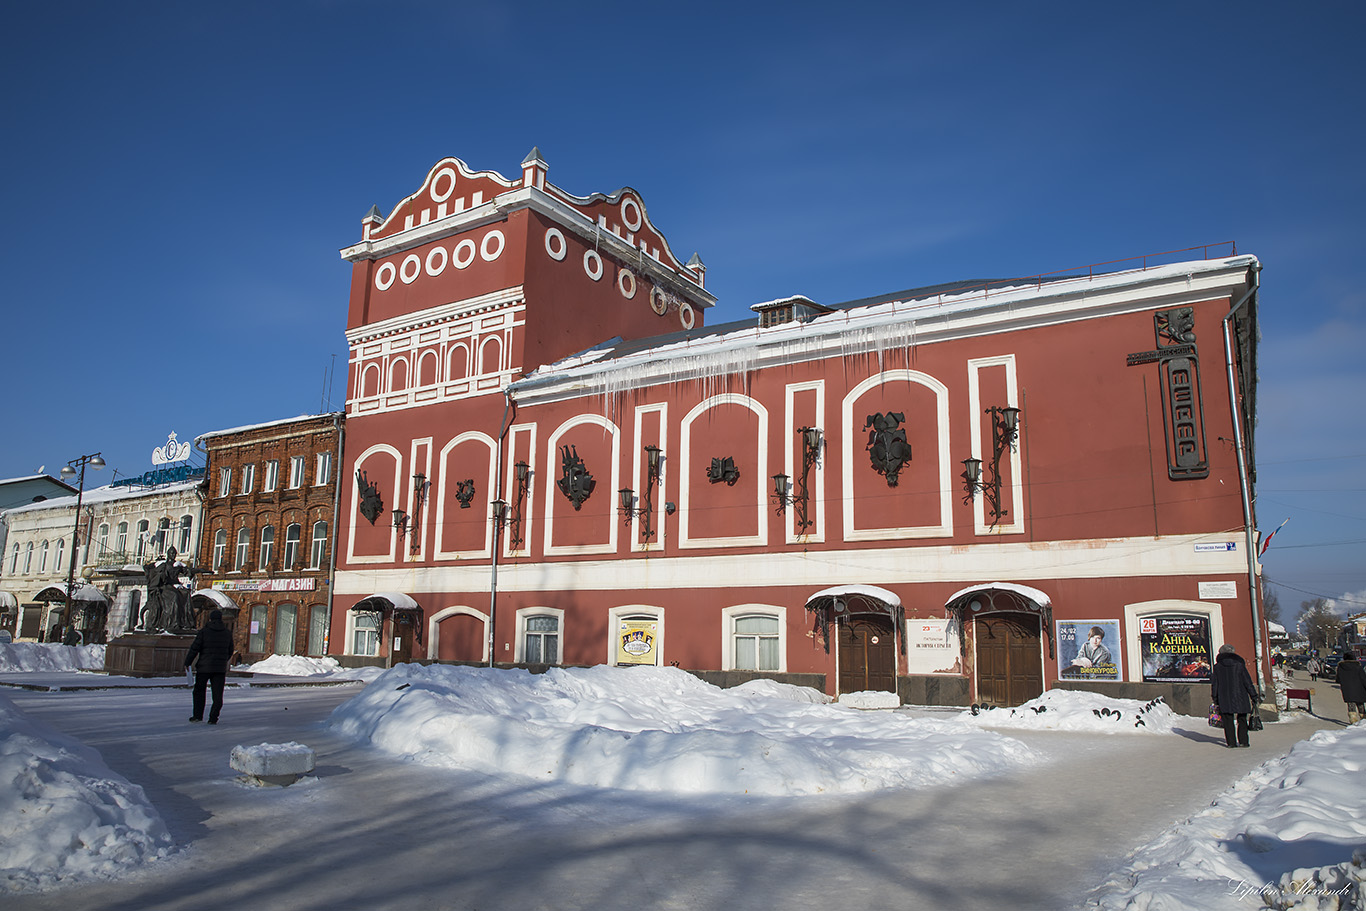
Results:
400 524
523 474
500 513
420 487
653 458
1005 431
782 489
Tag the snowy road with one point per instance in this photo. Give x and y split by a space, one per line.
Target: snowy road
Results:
375 833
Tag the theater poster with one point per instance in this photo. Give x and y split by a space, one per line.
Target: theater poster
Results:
1175 649
1089 650
636 641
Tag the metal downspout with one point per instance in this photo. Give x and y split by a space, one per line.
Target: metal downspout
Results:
1248 528
338 421
497 524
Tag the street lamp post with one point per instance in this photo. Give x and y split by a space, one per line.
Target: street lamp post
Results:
72 468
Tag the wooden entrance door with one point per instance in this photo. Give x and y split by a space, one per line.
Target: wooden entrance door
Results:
867 655
402 651
1009 658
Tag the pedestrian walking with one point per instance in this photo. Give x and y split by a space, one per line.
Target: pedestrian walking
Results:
1314 666
1352 679
213 647
1232 691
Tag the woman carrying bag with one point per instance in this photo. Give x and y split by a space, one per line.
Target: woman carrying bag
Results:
1232 691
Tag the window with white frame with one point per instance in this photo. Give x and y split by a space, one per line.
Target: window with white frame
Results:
248 478
267 545
103 538
60 554
324 472
243 549
42 557
319 548
220 548
272 476
121 539
28 558
364 633
14 560
186 522
296 472
292 536
163 537
754 638
224 482
141 546
538 635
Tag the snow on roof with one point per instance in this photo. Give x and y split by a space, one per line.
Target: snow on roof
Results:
397 600
218 598
1032 594
106 494
868 591
36 477
742 347
302 417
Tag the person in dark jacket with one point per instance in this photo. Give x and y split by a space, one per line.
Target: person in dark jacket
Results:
1352 679
1232 691
213 647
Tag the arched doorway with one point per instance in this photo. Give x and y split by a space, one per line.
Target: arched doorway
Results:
1008 623
405 622
868 622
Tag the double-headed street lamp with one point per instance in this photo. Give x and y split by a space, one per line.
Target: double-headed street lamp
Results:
73 468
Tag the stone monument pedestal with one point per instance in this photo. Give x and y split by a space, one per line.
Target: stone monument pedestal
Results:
147 655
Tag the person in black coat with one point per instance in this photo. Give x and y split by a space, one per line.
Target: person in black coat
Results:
213 647
1352 679
1232 691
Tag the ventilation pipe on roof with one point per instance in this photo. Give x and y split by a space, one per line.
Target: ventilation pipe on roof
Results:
1254 277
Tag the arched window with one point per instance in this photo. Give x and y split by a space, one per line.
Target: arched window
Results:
365 634
243 549
141 547
319 548
256 638
57 563
103 538
539 635
292 535
28 558
14 560
317 630
267 545
220 548
121 539
163 538
185 523
756 643
42 557
286 624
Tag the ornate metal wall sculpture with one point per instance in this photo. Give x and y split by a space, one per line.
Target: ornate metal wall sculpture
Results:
420 487
1183 419
464 492
1005 430
523 471
887 446
723 470
371 503
575 482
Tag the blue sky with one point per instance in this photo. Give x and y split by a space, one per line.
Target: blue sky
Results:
181 176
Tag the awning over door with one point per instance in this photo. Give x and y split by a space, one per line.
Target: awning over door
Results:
1003 597
210 598
8 602
395 604
85 594
852 600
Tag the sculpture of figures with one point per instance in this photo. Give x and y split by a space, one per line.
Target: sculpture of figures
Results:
167 602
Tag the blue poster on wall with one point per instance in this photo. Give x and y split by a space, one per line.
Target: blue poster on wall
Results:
1088 650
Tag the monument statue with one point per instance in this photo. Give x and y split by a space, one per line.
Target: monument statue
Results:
168 604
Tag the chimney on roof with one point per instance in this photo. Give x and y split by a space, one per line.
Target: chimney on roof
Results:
373 219
533 169
698 269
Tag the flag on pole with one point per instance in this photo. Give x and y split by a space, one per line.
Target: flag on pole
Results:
1267 542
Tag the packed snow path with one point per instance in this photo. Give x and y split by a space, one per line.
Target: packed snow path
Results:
378 833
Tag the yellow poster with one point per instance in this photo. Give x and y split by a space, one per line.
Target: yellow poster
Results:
636 641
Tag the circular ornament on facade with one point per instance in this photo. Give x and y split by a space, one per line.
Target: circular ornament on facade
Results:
384 276
462 254
626 283
685 315
555 245
410 260
630 214
592 264
658 302
436 269
490 255
450 188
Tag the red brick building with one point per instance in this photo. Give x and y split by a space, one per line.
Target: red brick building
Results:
269 512
961 493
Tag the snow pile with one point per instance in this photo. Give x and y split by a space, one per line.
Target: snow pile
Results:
26 657
299 666
661 729
1303 811
66 815
1076 710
